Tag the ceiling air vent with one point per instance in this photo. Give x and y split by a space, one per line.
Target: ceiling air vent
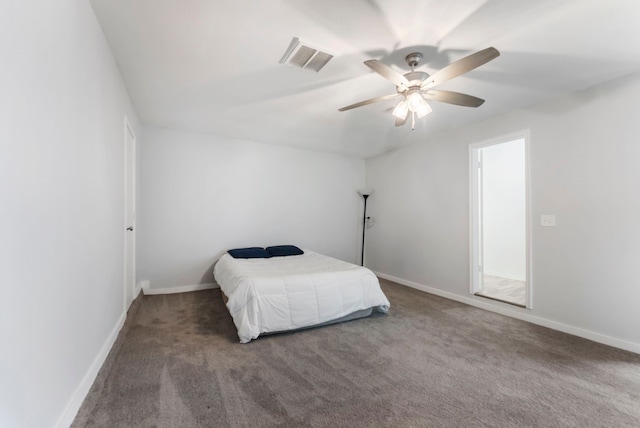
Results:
304 56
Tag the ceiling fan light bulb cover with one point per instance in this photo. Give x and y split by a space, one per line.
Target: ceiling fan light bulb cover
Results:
401 110
423 110
415 100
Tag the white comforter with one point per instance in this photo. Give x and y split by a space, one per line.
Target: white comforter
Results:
285 293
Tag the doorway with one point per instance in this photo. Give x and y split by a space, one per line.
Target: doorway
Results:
500 238
129 215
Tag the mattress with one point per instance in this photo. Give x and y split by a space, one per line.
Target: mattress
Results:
288 293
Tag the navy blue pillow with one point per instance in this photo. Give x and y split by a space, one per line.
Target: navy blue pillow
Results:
249 253
284 250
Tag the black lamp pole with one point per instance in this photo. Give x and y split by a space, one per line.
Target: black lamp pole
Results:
364 226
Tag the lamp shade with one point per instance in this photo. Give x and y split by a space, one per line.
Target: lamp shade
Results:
401 110
414 100
365 192
423 109
417 104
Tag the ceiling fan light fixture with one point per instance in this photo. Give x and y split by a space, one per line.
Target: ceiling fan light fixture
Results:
423 110
415 100
401 110
414 103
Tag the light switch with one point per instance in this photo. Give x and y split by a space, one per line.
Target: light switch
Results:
548 220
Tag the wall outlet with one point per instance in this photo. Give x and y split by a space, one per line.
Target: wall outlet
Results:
548 220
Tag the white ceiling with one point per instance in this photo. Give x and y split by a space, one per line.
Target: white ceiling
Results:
213 65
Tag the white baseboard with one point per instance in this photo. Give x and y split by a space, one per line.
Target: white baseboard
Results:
71 410
138 289
519 313
178 289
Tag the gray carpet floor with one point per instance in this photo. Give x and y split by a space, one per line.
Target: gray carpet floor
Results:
430 362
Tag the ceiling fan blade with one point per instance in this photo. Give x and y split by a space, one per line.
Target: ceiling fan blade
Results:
461 66
387 72
453 98
369 101
400 122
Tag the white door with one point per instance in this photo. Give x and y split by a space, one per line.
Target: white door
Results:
129 215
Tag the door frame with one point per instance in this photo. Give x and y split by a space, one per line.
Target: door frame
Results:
475 256
129 178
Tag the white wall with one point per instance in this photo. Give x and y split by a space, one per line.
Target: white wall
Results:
584 169
202 195
503 210
61 207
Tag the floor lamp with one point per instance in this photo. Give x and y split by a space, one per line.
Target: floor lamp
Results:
365 193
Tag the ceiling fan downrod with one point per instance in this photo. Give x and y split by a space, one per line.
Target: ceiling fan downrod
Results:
413 59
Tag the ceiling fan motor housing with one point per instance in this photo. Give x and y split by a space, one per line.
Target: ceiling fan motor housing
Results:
415 79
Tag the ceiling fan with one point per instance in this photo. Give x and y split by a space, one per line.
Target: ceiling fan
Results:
417 86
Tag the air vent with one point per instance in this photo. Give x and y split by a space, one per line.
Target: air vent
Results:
302 55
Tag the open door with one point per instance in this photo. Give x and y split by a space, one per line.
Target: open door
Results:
500 221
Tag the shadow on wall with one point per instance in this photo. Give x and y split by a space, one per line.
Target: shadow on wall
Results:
207 276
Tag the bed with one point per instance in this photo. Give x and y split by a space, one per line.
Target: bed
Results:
282 293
